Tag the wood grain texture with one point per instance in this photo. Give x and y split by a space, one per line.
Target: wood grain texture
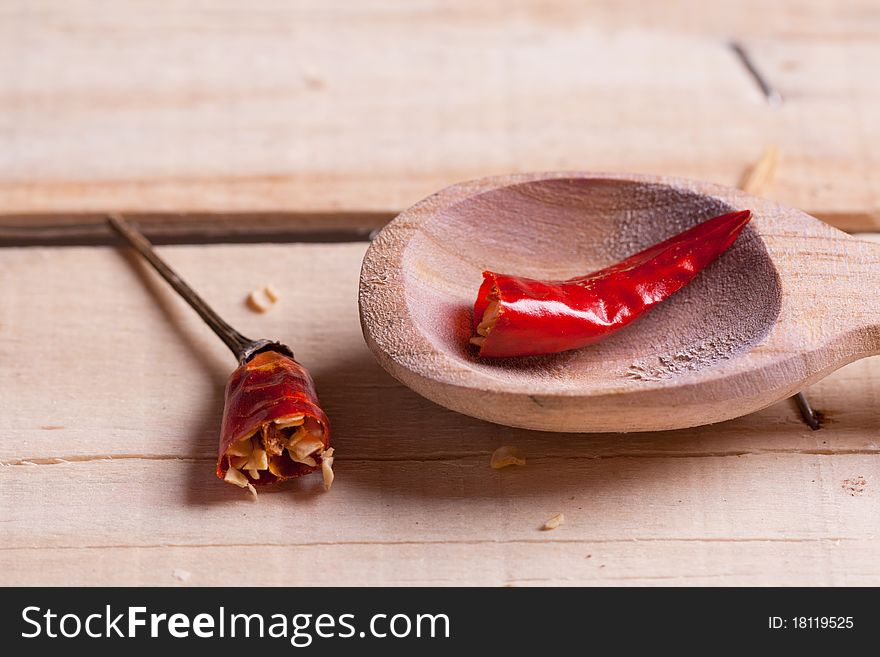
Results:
319 108
108 457
791 301
277 119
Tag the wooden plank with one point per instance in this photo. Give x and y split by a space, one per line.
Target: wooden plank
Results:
153 502
117 399
283 109
138 347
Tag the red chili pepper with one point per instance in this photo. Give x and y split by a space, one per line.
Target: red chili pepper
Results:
516 316
273 428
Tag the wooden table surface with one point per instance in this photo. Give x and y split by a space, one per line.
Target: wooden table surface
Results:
298 123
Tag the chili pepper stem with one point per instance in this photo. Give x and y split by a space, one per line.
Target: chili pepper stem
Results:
243 348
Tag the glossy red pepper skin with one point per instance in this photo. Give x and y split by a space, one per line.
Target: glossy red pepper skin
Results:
269 387
544 317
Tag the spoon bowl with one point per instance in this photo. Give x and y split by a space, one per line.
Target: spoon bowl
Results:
792 300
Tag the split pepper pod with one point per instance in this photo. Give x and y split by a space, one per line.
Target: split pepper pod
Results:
273 426
515 316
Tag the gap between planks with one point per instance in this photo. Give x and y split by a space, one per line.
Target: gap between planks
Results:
86 458
486 541
89 229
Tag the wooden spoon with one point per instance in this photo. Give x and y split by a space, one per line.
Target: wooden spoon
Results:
790 302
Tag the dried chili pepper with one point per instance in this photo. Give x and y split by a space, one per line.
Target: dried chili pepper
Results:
516 316
273 426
